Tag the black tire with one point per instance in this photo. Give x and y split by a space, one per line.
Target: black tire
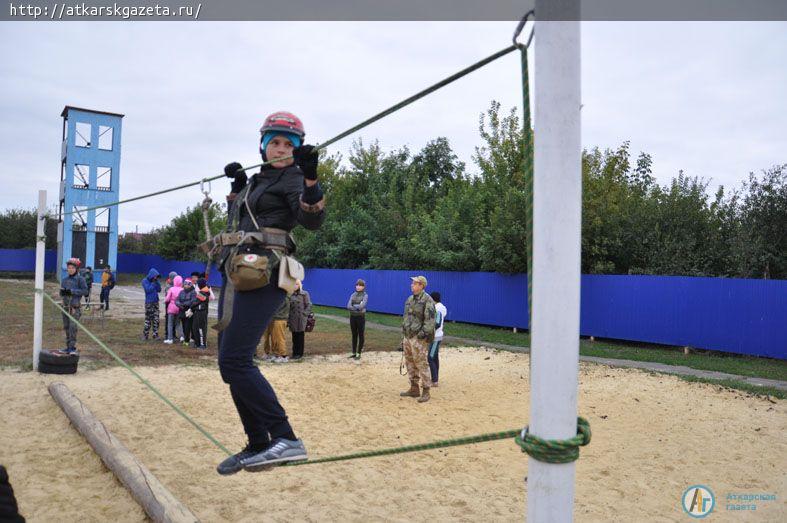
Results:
44 368
58 360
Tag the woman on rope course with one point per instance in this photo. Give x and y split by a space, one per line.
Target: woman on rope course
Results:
257 274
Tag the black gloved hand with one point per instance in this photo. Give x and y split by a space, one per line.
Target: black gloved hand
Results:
233 170
65 292
306 158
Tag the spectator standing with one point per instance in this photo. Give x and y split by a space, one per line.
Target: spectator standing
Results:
173 311
357 307
88 275
152 287
199 324
274 346
185 301
300 308
418 334
107 284
434 349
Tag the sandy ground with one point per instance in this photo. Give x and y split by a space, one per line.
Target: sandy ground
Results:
653 436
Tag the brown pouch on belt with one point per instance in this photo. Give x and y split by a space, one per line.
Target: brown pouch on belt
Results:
249 271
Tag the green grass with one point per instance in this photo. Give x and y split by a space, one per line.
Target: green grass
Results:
707 360
461 330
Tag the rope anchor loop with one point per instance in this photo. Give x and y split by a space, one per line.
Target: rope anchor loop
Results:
555 450
530 14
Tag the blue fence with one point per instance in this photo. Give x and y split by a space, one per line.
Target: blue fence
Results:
730 315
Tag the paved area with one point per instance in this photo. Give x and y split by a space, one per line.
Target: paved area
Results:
644 365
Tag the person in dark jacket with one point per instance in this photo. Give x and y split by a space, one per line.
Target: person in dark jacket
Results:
72 289
199 324
88 275
152 288
283 194
300 308
184 301
357 307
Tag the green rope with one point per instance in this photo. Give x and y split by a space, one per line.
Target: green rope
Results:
493 436
138 376
365 123
555 450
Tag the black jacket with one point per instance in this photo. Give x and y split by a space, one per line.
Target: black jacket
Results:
186 299
275 199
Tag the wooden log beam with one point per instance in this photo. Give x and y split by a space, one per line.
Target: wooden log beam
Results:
158 502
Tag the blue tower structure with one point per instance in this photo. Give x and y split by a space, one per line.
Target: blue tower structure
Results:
89 176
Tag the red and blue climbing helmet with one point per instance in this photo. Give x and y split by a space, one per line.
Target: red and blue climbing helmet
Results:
282 122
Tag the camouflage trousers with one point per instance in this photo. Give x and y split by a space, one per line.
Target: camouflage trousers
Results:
416 359
69 326
151 319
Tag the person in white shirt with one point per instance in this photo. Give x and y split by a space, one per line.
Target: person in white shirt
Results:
434 350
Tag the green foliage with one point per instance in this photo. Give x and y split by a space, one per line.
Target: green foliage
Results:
424 211
400 210
18 230
136 242
761 241
181 238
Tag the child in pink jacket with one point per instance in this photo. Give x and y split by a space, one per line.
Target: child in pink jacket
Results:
172 308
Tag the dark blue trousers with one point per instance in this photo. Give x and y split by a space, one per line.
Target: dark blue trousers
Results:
262 415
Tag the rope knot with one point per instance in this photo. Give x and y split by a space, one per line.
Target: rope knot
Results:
555 450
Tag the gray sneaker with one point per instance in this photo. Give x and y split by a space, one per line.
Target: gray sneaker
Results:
281 451
232 464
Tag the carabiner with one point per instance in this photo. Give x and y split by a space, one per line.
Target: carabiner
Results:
521 26
202 186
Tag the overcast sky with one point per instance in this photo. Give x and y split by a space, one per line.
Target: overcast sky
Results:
709 98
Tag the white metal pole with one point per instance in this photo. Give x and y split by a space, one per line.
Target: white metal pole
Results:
38 311
557 226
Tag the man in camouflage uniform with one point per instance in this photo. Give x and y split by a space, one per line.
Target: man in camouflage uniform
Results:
418 327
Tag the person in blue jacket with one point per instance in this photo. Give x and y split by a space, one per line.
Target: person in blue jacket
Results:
72 288
152 288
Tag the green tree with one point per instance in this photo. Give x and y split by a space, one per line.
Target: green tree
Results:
181 238
761 245
18 229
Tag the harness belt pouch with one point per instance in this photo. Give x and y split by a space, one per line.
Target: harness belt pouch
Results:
290 270
249 271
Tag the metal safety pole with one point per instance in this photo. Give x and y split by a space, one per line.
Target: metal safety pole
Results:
38 303
557 226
